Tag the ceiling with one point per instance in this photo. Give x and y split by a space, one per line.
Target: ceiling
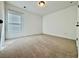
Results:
52 6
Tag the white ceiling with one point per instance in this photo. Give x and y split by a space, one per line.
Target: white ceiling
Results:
52 6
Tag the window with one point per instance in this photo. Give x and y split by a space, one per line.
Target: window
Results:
14 22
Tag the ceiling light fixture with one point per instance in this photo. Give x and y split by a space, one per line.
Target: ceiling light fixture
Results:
41 3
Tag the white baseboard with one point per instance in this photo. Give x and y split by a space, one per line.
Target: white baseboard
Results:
25 36
59 36
44 33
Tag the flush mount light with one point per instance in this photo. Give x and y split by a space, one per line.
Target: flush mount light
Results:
41 3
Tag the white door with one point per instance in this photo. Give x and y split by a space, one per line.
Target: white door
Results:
78 30
2 27
78 38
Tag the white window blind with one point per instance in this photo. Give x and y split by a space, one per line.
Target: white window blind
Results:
14 22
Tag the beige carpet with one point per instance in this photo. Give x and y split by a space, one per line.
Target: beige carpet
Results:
40 46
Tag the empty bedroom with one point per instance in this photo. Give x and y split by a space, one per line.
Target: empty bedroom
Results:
39 29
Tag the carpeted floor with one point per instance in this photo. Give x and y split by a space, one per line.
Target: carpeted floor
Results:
40 46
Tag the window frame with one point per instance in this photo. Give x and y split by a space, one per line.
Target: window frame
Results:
15 13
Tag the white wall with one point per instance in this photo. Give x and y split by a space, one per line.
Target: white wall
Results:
31 23
61 23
